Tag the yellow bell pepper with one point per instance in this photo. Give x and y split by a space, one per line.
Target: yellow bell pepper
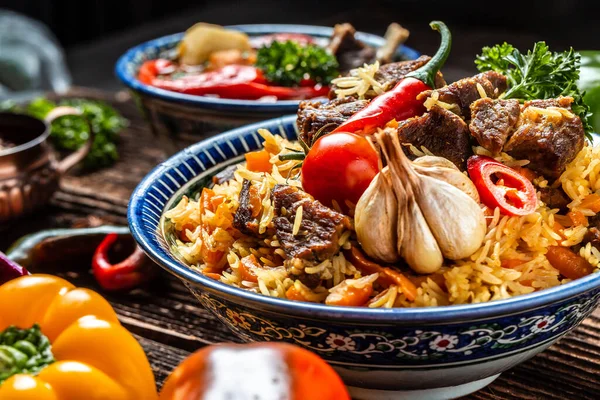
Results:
94 357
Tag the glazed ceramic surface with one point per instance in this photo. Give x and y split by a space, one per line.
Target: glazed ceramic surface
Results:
435 352
175 116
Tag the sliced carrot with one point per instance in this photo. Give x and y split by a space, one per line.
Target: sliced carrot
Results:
294 294
559 229
526 172
183 233
563 220
204 202
349 296
247 266
387 276
217 200
591 202
213 275
578 218
255 201
512 263
570 264
258 161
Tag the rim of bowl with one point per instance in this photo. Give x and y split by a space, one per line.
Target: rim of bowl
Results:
429 315
29 144
234 104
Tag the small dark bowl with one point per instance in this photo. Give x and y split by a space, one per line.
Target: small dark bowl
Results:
400 353
180 119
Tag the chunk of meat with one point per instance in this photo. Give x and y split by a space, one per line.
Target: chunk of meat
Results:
313 116
390 74
493 121
225 175
548 135
465 91
441 132
350 52
554 198
593 234
245 219
320 228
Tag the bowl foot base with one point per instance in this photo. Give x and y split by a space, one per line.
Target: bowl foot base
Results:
443 393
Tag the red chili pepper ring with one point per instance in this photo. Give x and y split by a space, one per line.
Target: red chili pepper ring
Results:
501 186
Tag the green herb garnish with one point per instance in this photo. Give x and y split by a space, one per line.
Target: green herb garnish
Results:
71 132
539 74
288 63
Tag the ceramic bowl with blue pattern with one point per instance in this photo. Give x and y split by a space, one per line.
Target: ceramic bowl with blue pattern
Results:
420 353
175 116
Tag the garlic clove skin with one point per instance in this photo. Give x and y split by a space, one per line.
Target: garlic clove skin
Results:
451 176
434 161
374 220
441 202
419 247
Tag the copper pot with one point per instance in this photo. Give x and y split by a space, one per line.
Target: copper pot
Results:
30 171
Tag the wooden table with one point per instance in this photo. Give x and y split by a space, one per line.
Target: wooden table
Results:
170 323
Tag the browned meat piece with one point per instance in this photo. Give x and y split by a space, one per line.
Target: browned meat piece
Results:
548 135
225 175
390 74
441 132
464 92
245 219
554 198
593 234
320 229
493 121
350 53
312 116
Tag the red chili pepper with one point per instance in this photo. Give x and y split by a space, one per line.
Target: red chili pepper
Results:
401 102
501 186
230 81
124 275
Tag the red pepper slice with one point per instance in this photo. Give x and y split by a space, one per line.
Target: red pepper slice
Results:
124 275
401 102
230 81
501 186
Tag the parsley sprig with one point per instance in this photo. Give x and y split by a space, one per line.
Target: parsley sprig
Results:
288 63
538 74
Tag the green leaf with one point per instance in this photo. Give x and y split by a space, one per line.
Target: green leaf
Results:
538 74
288 63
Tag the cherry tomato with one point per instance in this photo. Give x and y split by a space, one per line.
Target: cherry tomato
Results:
339 167
258 370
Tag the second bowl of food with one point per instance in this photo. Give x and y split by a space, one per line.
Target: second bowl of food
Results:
211 79
453 238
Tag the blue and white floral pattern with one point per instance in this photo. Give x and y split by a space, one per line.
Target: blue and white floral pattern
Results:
385 344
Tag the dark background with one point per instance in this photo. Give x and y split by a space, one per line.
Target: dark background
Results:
96 32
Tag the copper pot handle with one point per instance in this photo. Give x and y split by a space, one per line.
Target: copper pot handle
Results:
72 159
